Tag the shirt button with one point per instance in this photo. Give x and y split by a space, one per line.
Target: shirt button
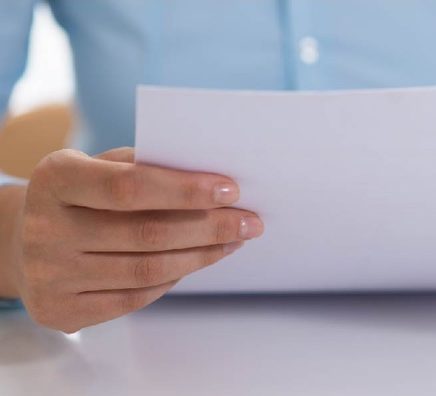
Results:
309 52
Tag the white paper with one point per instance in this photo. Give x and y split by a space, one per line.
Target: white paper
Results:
344 181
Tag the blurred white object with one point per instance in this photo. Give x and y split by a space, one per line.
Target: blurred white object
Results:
49 76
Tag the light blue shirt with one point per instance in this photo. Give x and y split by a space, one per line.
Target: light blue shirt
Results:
236 44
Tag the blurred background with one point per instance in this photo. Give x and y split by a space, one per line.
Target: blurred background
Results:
40 113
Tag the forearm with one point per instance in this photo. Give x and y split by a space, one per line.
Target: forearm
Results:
11 206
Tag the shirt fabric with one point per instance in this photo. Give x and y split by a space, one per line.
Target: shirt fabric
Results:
232 44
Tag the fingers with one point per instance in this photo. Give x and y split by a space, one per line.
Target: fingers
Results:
101 231
106 271
97 307
79 180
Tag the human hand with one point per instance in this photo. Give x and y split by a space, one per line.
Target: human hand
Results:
101 237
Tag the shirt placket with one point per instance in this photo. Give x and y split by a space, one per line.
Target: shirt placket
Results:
304 46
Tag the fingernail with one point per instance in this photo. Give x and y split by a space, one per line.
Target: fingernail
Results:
250 227
229 248
225 194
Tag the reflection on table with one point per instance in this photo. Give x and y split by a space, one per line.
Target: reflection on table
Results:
234 345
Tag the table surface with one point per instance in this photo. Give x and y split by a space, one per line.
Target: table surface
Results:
235 345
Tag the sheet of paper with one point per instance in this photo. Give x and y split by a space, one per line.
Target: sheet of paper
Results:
345 182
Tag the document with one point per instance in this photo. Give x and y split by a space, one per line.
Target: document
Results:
344 181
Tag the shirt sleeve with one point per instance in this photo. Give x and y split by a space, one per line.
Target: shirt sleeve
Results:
15 23
8 180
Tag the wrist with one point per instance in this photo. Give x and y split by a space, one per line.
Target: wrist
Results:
12 200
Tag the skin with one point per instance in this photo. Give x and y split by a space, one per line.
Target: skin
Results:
92 239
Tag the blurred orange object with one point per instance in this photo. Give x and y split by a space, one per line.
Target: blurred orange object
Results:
27 138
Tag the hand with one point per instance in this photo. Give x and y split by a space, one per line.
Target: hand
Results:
101 237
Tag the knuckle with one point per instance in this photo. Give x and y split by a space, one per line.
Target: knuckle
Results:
146 271
44 172
123 187
153 233
48 163
54 161
190 191
132 301
48 173
224 230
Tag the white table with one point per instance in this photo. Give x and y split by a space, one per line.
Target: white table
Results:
282 345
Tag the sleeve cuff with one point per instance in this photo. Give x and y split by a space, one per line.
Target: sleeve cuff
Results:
6 180
10 304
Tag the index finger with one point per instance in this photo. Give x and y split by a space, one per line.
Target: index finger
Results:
80 180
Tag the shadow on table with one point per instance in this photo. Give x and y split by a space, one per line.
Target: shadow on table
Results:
408 312
22 341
